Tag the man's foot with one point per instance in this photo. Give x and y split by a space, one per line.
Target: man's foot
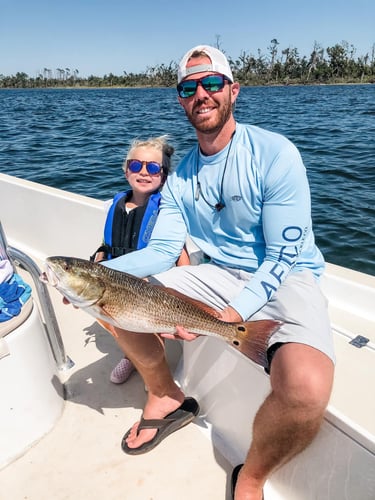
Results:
122 371
235 473
149 432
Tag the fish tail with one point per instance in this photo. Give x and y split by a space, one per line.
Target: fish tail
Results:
252 339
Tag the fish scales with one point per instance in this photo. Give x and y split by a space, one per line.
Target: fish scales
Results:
133 304
145 306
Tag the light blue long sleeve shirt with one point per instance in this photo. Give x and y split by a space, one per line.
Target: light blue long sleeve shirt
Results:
265 227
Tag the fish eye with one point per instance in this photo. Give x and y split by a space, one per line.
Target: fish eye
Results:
236 343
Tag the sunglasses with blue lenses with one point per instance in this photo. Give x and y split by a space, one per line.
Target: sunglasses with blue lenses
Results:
152 167
210 83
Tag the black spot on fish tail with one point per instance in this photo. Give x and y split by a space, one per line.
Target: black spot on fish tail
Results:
252 339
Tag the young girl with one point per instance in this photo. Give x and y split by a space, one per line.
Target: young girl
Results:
133 213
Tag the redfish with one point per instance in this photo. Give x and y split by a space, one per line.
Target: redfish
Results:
133 304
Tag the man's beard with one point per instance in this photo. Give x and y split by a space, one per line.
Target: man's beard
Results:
224 113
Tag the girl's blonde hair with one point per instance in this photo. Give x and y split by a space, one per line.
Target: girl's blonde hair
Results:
160 144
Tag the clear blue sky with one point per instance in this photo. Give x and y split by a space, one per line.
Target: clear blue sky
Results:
102 36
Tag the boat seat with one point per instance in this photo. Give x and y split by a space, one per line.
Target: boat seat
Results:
7 327
352 405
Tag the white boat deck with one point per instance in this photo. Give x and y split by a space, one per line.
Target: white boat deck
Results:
81 457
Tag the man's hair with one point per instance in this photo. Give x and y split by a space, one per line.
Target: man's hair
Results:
197 53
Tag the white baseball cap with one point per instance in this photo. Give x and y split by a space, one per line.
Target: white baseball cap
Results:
219 63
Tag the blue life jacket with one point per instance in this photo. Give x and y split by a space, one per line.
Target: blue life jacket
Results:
125 232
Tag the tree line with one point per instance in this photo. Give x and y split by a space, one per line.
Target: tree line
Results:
336 64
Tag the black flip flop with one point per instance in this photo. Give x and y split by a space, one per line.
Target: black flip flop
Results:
171 423
235 473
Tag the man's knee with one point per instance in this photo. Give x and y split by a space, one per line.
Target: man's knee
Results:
301 377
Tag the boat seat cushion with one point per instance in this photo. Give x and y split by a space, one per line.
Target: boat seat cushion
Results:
9 326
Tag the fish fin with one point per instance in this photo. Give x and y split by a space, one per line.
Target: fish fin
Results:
107 321
107 326
252 339
201 305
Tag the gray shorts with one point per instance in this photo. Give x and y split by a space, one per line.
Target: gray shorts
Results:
298 302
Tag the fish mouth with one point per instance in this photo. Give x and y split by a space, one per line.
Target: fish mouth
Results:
49 277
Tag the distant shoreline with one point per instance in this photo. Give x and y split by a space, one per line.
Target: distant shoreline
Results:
338 64
106 87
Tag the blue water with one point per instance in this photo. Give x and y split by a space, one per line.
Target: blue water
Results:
76 140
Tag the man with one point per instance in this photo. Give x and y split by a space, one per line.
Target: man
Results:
243 197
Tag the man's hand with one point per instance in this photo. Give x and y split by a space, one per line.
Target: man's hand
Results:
181 334
229 315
